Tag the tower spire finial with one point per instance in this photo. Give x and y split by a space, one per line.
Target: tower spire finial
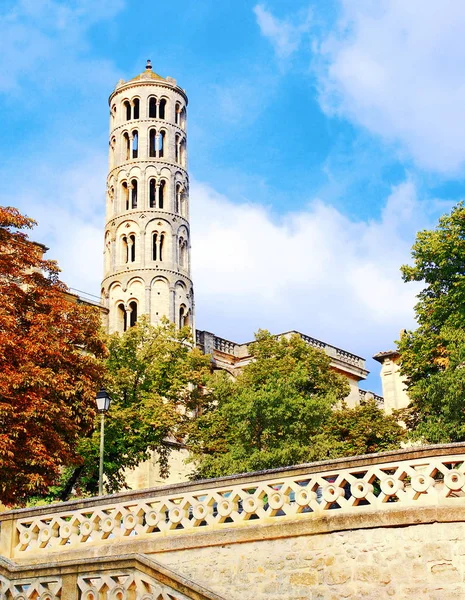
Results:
148 66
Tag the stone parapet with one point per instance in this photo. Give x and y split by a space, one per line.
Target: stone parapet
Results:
307 496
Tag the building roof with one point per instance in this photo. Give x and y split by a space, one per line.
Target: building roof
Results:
386 354
148 74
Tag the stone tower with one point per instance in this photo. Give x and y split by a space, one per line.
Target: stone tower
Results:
147 237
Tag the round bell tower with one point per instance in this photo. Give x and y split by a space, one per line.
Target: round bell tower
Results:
147 235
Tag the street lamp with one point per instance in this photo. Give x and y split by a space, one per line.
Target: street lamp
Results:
103 401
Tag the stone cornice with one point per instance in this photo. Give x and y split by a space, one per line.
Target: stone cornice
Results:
154 161
148 82
161 214
133 123
155 271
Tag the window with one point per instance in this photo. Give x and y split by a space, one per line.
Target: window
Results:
183 252
136 108
158 240
133 313
161 193
126 146
177 113
152 140
124 242
183 316
135 144
152 108
161 144
177 142
134 193
183 118
178 197
161 109
132 248
122 318
152 192
162 239
125 190
154 246
183 153
127 107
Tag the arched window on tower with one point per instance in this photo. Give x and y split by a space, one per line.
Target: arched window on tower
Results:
177 200
183 252
122 318
152 192
125 190
177 142
154 246
152 108
183 118
134 193
161 193
183 316
124 249
161 144
161 109
133 313
126 146
162 239
183 153
136 108
135 144
177 113
158 240
127 108
183 204
152 142
132 248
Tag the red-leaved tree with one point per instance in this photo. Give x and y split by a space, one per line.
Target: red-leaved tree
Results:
50 365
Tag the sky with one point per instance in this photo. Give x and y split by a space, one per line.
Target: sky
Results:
322 137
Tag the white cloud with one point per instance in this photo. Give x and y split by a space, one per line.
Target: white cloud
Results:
396 67
316 271
284 34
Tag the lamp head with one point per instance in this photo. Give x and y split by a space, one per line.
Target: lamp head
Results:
103 401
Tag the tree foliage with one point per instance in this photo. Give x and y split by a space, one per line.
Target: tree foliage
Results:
155 379
272 415
362 429
433 355
49 365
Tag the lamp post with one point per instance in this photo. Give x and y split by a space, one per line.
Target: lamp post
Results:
103 401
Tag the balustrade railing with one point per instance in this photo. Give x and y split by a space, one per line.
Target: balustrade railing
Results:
415 477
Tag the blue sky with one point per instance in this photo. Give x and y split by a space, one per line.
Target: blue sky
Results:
322 137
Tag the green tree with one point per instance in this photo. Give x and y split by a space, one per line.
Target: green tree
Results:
155 379
272 415
363 429
433 355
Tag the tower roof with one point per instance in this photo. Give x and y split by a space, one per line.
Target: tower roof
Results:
148 74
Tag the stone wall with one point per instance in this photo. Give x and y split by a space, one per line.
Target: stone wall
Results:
418 561
390 525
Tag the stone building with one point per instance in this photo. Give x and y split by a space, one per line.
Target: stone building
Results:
147 237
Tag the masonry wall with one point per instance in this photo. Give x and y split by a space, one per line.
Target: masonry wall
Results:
418 561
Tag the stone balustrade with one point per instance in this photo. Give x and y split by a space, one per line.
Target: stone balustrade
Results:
419 477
